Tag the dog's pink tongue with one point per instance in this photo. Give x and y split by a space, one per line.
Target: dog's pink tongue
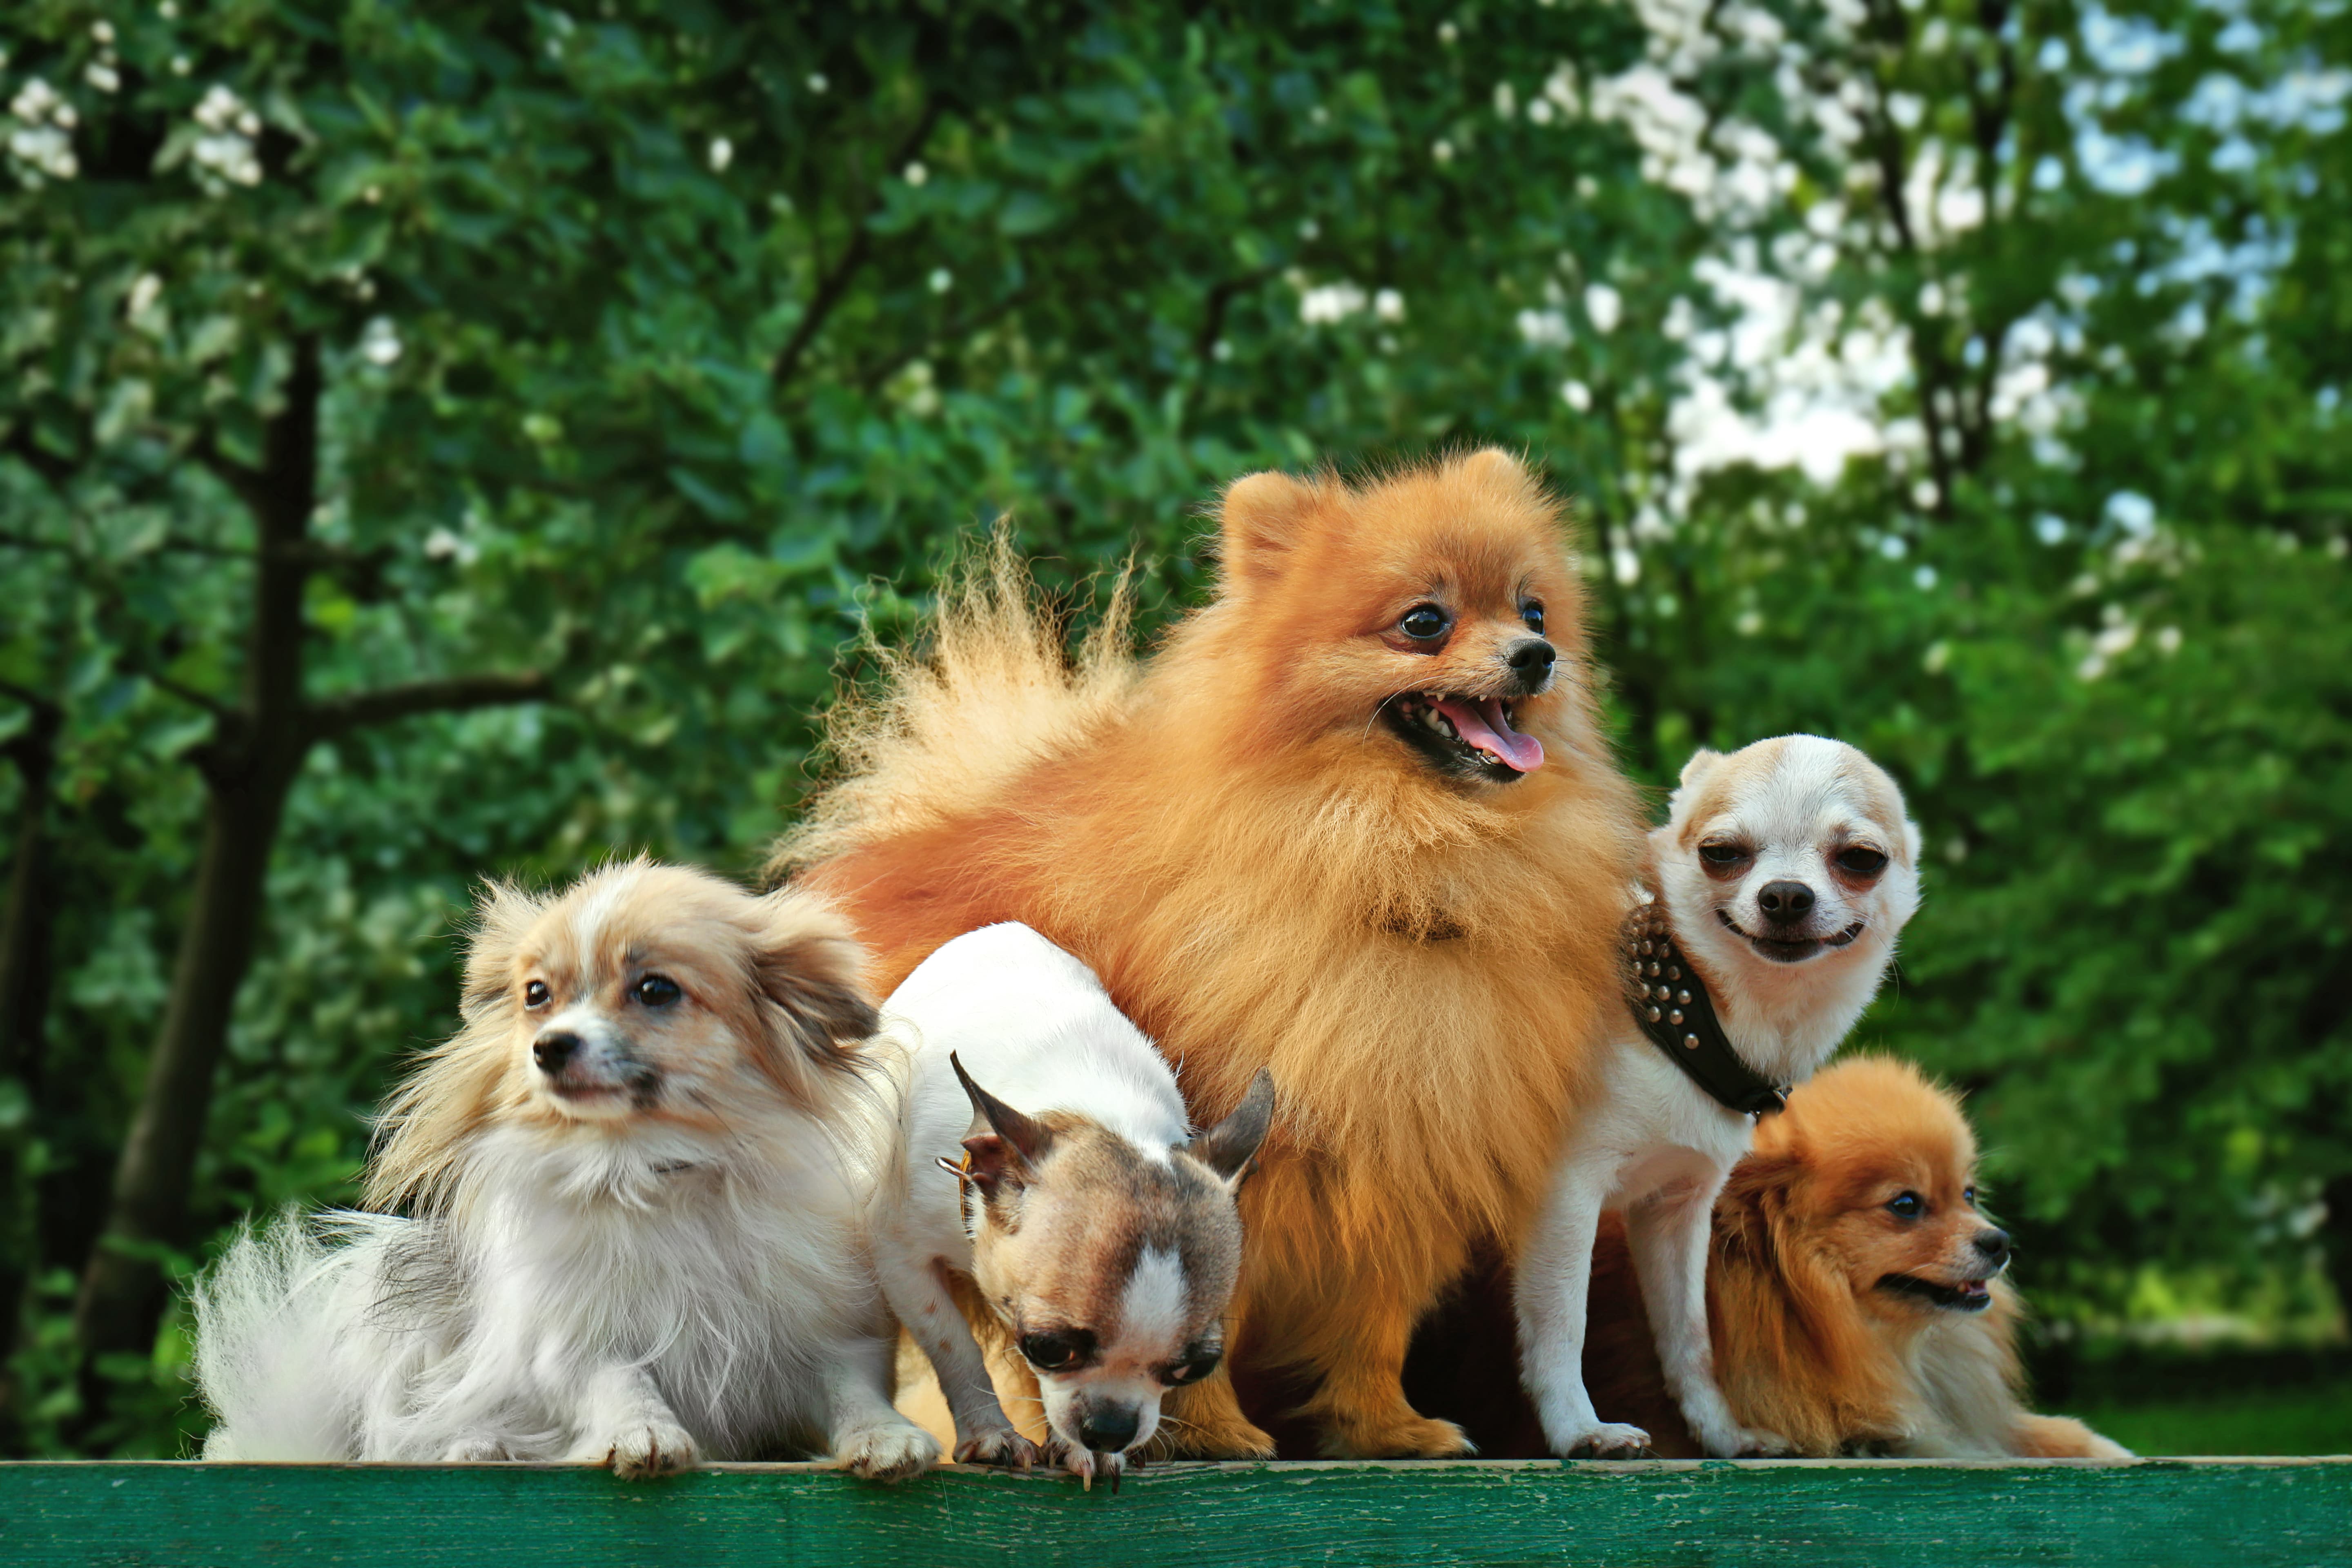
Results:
1481 723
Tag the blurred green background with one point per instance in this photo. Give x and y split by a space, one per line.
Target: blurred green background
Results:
439 440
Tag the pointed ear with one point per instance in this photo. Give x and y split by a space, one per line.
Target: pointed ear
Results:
1259 520
1701 763
503 914
1004 1145
1229 1148
1493 466
810 971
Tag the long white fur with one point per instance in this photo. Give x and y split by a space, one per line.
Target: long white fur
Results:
1657 1147
1034 1027
621 1291
737 1284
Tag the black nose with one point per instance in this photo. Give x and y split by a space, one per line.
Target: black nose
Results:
1994 1245
1785 901
1530 658
1108 1431
554 1048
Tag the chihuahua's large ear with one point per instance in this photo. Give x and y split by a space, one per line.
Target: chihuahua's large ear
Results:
1702 763
503 913
1004 1144
1229 1148
810 971
1260 520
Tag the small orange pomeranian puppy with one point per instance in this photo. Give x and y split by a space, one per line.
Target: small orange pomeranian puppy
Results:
1855 1288
1354 822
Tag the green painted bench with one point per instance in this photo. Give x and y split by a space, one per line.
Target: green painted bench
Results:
2213 1513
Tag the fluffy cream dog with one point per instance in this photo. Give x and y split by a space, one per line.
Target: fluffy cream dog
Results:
635 1183
1785 871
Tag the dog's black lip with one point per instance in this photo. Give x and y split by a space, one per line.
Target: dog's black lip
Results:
1790 951
1454 757
1950 1298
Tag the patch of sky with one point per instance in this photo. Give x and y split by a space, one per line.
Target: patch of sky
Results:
2125 46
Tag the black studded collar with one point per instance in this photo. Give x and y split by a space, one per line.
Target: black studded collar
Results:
1672 1008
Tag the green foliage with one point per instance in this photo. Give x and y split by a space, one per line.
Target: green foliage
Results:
666 346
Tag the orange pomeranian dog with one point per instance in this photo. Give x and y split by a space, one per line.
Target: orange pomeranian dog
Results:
1354 823
1855 1292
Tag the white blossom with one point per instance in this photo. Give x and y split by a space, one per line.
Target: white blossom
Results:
41 139
380 341
225 153
1328 303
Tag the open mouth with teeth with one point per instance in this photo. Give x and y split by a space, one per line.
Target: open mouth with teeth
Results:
1471 737
1782 951
1968 1295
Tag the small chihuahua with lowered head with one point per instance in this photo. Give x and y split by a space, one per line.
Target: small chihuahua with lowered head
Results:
1784 872
634 1184
1099 1230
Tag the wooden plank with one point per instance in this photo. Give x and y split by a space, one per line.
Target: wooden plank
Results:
1805 1514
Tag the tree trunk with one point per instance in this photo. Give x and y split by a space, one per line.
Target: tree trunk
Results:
248 767
25 949
122 1288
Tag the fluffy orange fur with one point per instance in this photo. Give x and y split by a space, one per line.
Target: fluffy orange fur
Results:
1807 1342
1266 874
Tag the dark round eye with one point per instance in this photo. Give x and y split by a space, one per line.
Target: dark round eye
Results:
1968 1196
1907 1206
1051 1352
1532 613
1195 1370
1424 622
1857 860
1723 854
534 993
657 991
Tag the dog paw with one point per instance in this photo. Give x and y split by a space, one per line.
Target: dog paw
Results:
1751 1443
656 1448
475 1451
1089 1467
1610 1440
892 1452
641 1449
1002 1446
1418 1437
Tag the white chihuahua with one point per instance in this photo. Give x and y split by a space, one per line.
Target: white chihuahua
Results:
635 1183
1100 1234
1784 871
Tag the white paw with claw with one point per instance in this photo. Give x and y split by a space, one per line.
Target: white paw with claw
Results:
1089 1467
889 1452
652 1449
1610 1440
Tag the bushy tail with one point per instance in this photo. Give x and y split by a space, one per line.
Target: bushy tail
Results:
268 1336
987 690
